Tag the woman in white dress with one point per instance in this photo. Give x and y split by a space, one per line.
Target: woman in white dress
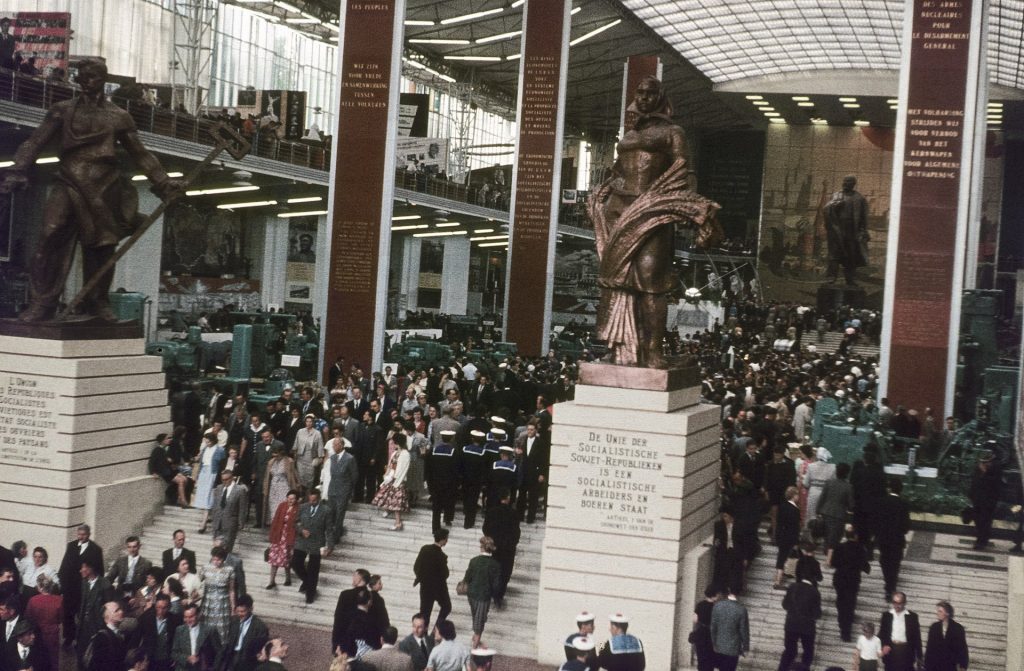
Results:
818 473
210 457
308 451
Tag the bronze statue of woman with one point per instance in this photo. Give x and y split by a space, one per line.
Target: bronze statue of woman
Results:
634 213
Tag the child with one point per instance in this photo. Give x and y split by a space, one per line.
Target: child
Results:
869 649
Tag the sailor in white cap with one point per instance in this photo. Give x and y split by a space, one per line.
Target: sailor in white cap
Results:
483 658
338 479
442 475
504 474
472 470
585 629
582 654
623 651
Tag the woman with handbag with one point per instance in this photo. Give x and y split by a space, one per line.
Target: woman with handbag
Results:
392 497
481 582
282 539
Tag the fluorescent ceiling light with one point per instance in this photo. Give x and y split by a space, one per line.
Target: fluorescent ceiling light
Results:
852 106
410 227
6 164
513 57
305 199
333 26
437 234
777 120
47 159
470 17
861 122
436 40
499 36
767 108
483 59
333 38
446 224
310 213
418 22
892 101
302 21
819 122
575 11
772 114
517 3
143 178
847 100
595 31
494 244
287 7
489 237
995 105
761 103
483 230
252 203
753 97
805 104
800 98
406 217
226 189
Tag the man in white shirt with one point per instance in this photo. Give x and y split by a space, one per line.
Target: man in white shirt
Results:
900 633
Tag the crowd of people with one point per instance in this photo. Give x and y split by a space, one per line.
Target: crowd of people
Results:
479 435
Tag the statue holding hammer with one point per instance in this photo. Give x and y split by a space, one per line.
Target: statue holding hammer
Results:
93 201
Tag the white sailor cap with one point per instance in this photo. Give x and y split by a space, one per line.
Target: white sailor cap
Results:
477 434
583 643
499 432
506 448
618 618
503 365
584 617
483 652
448 433
347 443
497 420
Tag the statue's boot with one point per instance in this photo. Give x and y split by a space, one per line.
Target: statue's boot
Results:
37 312
653 313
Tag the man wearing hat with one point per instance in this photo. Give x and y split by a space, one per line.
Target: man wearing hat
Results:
986 483
442 475
483 658
623 651
582 654
503 475
584 629
338 481
24 653
502 525
472 469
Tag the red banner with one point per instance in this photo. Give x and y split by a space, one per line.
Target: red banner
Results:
40 38
537 177
928 214
353 326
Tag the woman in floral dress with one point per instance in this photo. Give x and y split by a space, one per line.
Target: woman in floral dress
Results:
392 497
219 601
282 538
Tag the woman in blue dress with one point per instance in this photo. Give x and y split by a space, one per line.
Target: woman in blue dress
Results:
210 457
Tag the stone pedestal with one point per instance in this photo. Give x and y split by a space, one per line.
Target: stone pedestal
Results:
632 500
74 414
832 296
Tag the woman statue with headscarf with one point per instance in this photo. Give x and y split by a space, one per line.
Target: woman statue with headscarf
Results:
634 214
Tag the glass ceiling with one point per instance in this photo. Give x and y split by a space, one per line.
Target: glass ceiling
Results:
735 39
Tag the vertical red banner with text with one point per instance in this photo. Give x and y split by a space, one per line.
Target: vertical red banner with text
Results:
537 178
924 269
362 184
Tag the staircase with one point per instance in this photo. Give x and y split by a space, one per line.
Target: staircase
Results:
832 340
369 543
937 567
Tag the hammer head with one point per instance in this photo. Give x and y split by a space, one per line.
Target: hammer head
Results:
230 140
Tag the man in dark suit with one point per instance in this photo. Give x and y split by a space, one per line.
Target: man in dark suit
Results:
96 592
346 607
361 632
729 554
849 559
172 554
265 450
947 642
128 572
900 633
431 570
230 508
787 531
10 619
502 524
107 644
247 634
418 643
26 650
312 537
891 536
481 394
986 484
157 626
77 552
358 405
536 451
335 372
802 604
197 646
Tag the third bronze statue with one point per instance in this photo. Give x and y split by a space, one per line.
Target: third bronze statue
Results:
846 224
635 213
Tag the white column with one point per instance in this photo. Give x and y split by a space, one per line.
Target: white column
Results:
272 270
323 250
409 275
455 276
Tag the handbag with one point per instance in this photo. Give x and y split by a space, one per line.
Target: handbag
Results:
266 555
462 589
789 569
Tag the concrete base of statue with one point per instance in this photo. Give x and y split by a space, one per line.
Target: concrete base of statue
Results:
77 423
631 505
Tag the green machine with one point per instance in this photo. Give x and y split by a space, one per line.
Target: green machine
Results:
182 359
417 353
128 305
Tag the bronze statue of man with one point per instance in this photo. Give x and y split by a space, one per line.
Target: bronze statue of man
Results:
846 225
93 201
634 214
